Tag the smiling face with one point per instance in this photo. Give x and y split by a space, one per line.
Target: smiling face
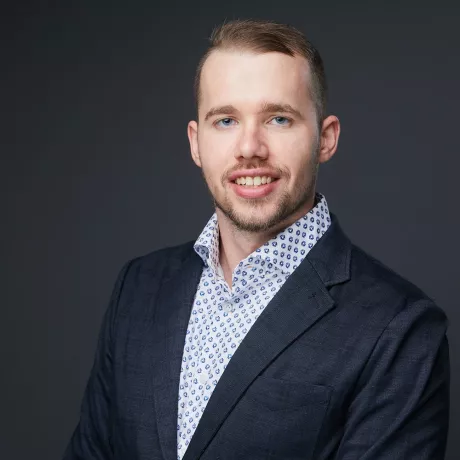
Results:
257 125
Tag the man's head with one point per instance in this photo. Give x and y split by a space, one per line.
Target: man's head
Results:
261 96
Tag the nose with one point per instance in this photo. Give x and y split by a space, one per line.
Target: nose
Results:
251 144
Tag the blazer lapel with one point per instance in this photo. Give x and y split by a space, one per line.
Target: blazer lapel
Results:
303 300
173 308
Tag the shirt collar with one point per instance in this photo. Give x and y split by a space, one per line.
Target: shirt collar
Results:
285 251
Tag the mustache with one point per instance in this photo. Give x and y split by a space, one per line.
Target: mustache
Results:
276 170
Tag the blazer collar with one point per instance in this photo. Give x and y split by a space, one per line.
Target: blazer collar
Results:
330 257
304 293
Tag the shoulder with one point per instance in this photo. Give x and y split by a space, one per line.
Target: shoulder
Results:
371 271
145 273
382 291
161 263
168 255
359 277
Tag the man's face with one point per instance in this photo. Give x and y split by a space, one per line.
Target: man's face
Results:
257 121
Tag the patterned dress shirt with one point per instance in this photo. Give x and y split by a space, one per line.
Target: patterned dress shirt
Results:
221 317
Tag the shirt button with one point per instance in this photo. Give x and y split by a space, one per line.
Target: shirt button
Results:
202 378
227 306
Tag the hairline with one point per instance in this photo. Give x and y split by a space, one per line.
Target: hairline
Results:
312 85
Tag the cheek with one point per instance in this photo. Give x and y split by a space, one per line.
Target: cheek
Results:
216 153
294 153
212 168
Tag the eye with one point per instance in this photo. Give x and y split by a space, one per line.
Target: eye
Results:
224 123
281 121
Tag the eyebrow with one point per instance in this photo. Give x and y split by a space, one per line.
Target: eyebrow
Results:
267 107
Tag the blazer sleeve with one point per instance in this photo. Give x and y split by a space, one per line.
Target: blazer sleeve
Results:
400 407
91 439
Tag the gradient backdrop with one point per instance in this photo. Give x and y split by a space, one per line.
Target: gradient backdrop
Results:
96 168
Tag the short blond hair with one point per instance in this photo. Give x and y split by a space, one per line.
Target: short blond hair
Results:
262 36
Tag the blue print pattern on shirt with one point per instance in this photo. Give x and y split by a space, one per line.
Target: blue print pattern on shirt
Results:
221 317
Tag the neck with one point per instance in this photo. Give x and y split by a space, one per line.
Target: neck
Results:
236 244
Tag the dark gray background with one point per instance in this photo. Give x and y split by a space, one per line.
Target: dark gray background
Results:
96 169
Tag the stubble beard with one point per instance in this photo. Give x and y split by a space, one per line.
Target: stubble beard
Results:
288 204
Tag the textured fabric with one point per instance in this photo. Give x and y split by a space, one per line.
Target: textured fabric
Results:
222 315
348 361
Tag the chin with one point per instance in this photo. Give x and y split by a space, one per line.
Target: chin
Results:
253 220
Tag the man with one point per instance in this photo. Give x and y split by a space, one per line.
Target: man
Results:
271 336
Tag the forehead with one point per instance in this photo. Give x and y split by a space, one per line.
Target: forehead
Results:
246 78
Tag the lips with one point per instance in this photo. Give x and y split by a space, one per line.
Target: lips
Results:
261 172
258 191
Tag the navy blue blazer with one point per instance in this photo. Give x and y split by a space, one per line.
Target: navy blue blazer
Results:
348 361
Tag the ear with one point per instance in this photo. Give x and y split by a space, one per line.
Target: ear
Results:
330 132
192 132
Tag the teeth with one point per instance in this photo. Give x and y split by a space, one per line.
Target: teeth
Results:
255 181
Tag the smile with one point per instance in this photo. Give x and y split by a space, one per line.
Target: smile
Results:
254 181
254 187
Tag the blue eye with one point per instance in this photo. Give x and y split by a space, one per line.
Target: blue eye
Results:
225 122
281 120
